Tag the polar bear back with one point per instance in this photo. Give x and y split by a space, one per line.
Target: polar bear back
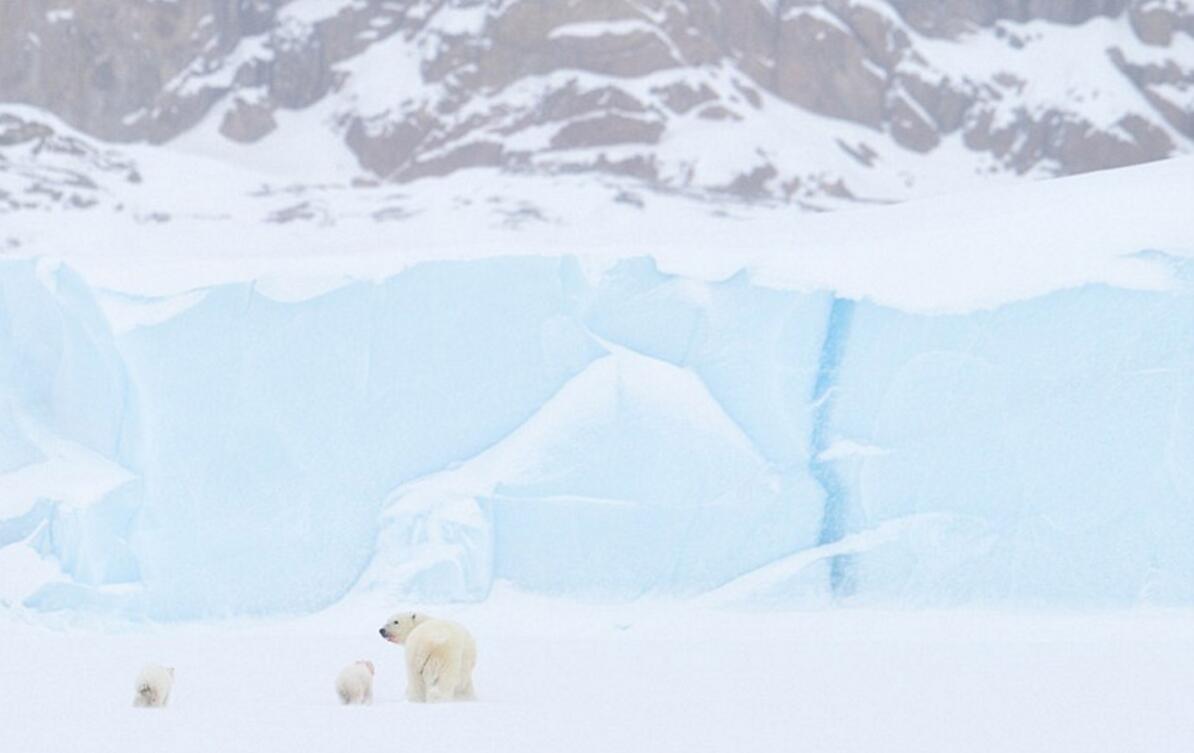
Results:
444 634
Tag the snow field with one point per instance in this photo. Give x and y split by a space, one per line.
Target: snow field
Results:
646 677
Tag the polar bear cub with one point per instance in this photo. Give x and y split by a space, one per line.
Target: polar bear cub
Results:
440 656
354 684
153 685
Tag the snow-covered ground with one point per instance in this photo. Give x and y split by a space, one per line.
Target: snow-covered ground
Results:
555 676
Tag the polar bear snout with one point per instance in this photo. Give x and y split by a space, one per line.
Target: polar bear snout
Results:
399 626
391 637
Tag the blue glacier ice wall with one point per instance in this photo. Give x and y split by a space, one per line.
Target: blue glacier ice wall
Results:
603 435
62 381
1052 440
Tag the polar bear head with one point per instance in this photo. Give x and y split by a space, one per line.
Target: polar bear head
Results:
399 626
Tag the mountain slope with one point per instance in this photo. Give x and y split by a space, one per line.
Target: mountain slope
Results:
807 102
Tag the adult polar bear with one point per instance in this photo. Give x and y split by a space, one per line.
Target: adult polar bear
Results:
440 656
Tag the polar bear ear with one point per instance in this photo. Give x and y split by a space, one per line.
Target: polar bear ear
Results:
170 670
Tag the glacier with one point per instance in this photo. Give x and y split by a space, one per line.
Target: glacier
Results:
601 433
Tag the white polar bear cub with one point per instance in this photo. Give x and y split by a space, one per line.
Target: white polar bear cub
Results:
355 683
153 686
440 656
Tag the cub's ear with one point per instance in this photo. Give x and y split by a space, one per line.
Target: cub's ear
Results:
170 670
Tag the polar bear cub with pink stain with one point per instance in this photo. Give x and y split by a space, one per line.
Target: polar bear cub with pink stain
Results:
440 656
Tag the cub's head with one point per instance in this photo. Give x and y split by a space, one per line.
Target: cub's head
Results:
399 626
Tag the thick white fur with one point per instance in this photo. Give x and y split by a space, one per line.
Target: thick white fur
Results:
153 686
354 684
440 657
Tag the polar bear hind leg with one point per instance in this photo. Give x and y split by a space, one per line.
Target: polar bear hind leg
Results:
465 692
441 674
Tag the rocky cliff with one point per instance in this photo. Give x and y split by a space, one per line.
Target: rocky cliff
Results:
780 99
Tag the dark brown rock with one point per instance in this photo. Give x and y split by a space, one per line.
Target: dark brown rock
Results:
606 130
385 147
1156 21
477 154
822 68
909 127
681 96
1154 81
948 18
246 122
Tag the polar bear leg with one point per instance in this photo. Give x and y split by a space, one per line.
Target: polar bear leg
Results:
414 687
441 674
414 678
465 691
